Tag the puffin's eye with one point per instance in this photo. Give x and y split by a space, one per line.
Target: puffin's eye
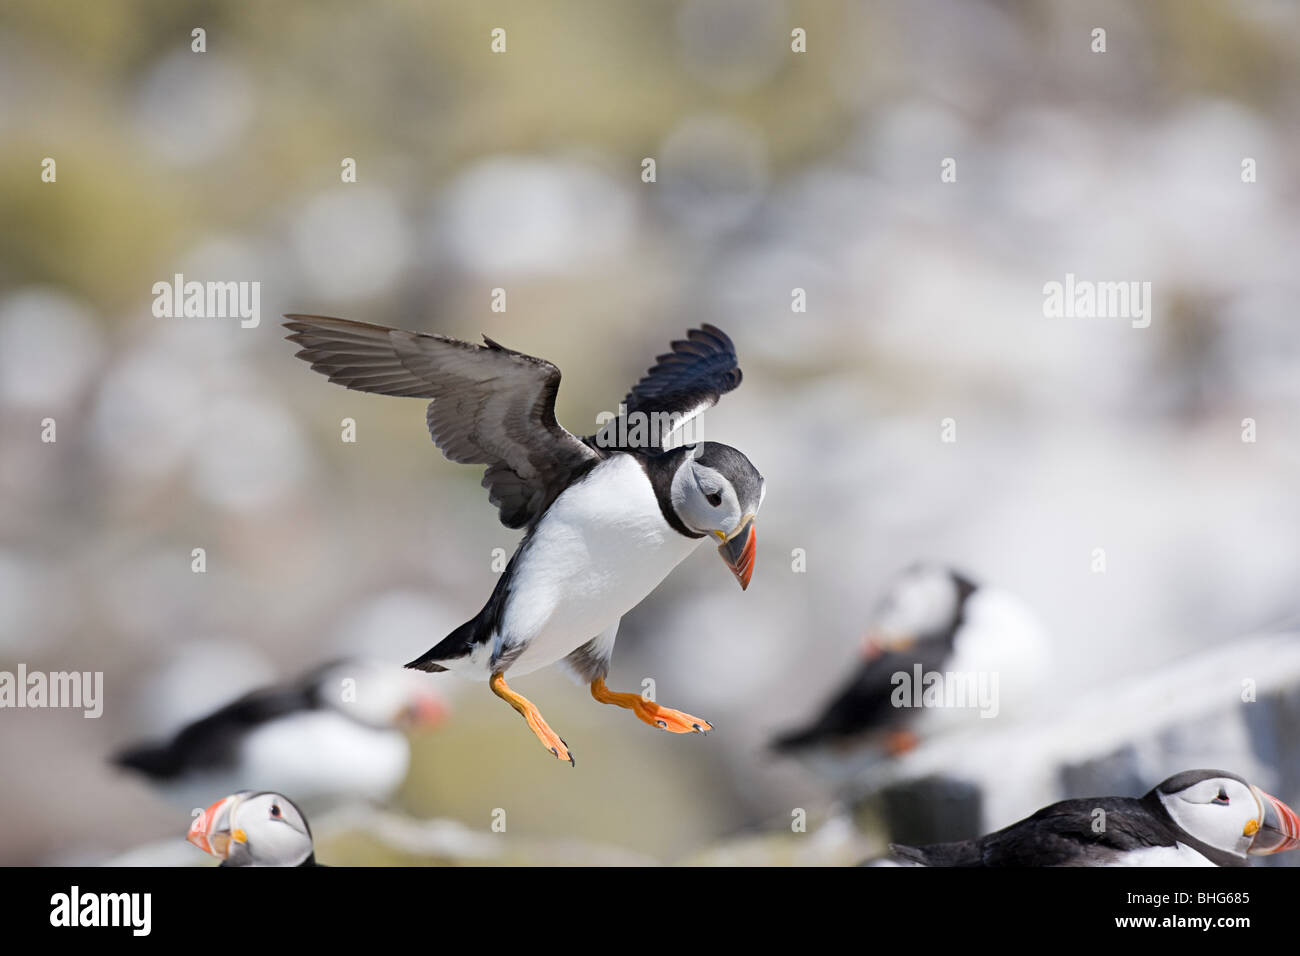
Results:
714 499
1222 797
275 810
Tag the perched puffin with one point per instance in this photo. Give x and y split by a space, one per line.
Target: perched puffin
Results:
254 828
1195 818
939 621
605 517
334 734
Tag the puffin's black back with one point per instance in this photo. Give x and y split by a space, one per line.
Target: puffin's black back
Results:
1059 835
213 741
864 703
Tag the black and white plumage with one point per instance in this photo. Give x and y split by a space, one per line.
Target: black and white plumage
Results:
606 517
336 733
938 620
1195 818
254 828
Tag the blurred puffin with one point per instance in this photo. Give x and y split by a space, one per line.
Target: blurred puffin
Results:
334 734
605 517
249 828
939 621
1195 818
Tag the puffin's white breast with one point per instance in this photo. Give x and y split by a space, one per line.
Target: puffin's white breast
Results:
1177 855
322 752
601 547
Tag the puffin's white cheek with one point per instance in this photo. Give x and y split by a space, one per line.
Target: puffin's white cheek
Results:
698 515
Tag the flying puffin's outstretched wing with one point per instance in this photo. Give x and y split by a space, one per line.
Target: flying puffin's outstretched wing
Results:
699 370
490 405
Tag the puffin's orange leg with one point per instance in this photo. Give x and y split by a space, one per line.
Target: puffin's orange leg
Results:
549 738
665 718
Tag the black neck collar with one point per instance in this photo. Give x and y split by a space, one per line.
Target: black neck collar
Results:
1156 807
660 468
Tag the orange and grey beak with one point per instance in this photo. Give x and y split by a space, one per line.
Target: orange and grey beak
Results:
211 832
426 711
738 550
1279 827
876 643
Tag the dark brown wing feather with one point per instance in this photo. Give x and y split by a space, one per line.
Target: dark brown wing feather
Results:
490 405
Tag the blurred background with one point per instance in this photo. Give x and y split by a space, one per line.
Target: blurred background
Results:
775 170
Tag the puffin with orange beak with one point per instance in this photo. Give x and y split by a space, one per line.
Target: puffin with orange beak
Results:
254 829
1195 818
605 517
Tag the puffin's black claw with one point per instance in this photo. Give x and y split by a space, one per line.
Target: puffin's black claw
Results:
662 723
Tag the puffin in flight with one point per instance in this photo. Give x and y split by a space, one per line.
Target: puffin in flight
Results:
934 619
254 828
605 517
334 734
1195 818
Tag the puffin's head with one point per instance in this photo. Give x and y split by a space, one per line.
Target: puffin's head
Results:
717 491
253 829
1225 812
381 695
924 600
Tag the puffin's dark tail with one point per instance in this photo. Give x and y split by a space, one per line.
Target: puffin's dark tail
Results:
796 740
910 854
961 853
151 760
456 644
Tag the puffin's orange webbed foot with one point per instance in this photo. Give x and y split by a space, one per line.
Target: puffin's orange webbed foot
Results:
647 711
549 738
